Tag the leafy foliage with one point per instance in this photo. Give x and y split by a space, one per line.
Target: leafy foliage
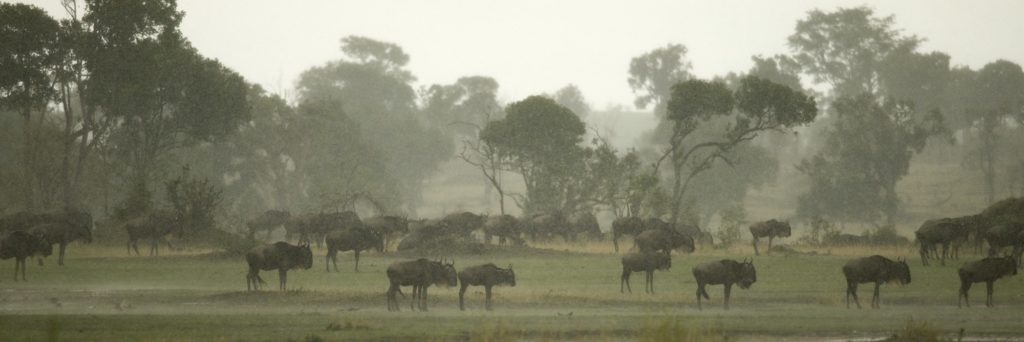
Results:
653 74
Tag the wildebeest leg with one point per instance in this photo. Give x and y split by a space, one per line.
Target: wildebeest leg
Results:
487 305
875 300
615 241
283 275
423 299
755 246
728 293
851 290
650 281
625 279
331 254
357 261
770 238
965 287
945 252
924 254
415 296
462 293
701 292
60 261
988 290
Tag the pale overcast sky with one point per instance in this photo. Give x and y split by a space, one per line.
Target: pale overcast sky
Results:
532 47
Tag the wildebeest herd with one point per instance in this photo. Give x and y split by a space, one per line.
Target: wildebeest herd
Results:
26 235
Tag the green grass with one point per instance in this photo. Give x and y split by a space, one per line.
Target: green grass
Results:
103 294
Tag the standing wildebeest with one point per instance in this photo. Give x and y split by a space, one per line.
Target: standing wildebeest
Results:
646 262
280 256
388 227
419 274
726 272
20 245
985 270
64 228
155 226
486 275
353 239
664 240
584 223
505 227
873 269
269 220
1005 235
770 229
625 226
945 232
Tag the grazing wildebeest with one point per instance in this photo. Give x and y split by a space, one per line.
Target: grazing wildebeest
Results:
726 272
155 226
873 269
388 227
268 220
945 232
64 228
625 226
419 274
486 275
646 262
21 245
583 223
280 256
985 270
353 239
771 229
664 240
505 227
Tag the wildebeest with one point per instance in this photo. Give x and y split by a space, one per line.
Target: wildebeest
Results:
355 239
985 270
625 226
461 225
21 245
664 240
1005 235
694 232
280 256
314 227
873 269
268 220
544 226
154 226
419 274
646 262
64 228
486 275
505 227
583 223
726 272
388 227
770 229
946 232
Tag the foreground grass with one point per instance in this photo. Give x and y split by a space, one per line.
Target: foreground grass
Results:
104 295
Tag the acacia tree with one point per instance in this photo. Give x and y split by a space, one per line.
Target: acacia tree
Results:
866 153
760 106
998 95
29 56
653 74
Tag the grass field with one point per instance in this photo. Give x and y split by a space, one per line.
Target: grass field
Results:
105 295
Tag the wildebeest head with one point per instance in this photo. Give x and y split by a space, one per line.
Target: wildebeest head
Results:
1009 265
663 261
304 256
900 271
378 241
81 225
507 276
747 274
444 274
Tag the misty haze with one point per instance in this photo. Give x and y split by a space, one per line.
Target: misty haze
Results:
517 170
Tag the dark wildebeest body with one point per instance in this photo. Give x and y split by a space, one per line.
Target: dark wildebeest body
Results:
326 223
154 226
947 232
986 270
21 245
461 225
1005 235
387 227
280 256
419 274
664 240
646 262
694 232
873 269
355 239
583 223
22 221
770 229
268 220
544 226
625 226
505 227
725 272
64 228
486 275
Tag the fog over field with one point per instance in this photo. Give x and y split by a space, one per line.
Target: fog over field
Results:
492 170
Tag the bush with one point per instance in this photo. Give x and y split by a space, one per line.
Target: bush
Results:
733 219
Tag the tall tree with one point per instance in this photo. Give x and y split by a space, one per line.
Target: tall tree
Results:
652 75
571 97
29 56
997 97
